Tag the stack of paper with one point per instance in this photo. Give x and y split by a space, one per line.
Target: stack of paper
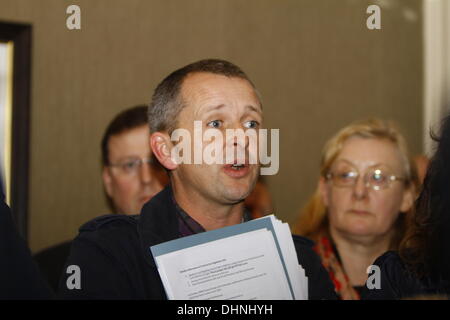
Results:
255 260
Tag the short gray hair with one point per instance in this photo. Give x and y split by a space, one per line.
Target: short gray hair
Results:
167 102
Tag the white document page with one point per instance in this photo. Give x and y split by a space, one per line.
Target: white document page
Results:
246 266
298 279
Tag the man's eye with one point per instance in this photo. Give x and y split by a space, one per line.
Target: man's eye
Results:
130 165
252 124
215 124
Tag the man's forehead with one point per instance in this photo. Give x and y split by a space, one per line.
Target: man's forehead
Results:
131 139
203 85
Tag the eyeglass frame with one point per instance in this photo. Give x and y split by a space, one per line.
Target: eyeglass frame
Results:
148 160
391 178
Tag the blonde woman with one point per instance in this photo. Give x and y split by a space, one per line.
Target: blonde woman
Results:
366 190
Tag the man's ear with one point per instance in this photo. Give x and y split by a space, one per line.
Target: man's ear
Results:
107 181
323 190
162 147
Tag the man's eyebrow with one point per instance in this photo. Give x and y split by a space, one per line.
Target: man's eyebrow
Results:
128 158
254 109
205 110
214 107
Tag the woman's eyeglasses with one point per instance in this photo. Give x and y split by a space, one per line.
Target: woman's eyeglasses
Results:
374 178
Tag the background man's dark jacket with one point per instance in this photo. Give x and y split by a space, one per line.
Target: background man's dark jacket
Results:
115 261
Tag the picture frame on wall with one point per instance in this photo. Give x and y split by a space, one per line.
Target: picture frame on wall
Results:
15 80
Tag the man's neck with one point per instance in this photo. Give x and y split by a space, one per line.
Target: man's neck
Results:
209 214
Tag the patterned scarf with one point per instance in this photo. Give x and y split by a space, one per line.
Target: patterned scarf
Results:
330 261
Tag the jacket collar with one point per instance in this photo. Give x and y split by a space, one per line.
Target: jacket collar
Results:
158 222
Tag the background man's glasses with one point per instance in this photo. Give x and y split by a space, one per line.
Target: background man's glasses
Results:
133 166
376 179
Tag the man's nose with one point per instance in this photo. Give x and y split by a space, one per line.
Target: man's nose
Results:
360 189
145 173
237 145
238 138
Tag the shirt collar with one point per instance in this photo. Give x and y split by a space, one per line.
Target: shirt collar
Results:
188 226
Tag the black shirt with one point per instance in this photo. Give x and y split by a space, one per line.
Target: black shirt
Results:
115 261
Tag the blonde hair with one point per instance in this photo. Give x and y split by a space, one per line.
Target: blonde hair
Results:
313 218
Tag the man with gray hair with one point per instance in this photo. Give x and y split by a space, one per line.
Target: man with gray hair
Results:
113 253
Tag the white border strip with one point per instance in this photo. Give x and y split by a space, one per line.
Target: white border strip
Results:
436 67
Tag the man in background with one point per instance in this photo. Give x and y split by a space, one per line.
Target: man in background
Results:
130 176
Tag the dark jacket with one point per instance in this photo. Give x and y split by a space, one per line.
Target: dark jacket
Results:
51 262
115 261
398 282
19 275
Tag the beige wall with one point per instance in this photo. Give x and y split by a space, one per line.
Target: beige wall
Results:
315 63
